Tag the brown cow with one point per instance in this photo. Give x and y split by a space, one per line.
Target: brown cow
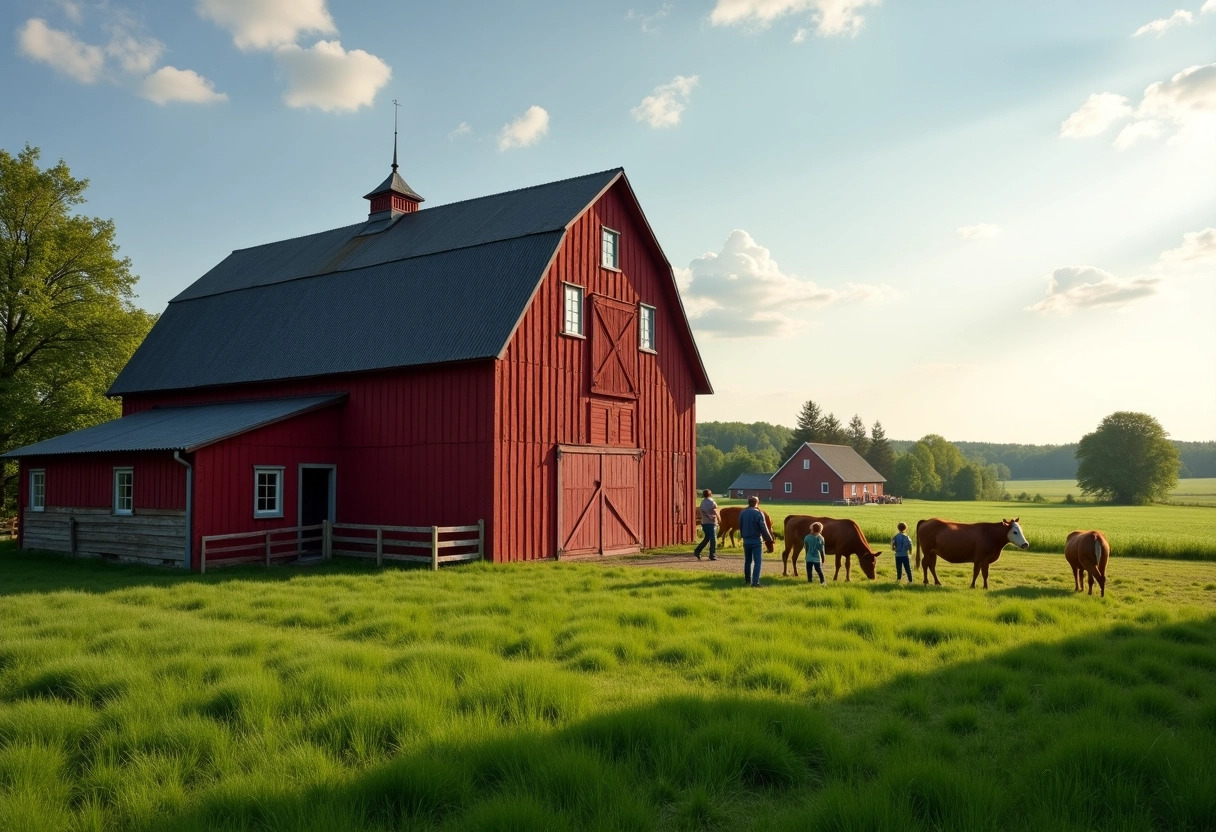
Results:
728 522
840 537
979 544
1088 552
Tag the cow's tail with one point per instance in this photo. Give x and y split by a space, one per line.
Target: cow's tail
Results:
1097 551
918 522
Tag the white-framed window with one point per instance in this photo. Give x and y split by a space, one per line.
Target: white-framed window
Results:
610 248
853 490
806 465
37 489
823 488
268 491
124 490
865 489
573 322
646 327
789 488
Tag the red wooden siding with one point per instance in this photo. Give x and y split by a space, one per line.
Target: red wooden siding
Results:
87 480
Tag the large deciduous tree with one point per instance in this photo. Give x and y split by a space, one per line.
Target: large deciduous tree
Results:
1128 459
67 321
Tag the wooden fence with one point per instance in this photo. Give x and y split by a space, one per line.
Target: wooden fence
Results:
323 541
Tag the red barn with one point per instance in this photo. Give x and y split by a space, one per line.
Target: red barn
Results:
521 359
819 473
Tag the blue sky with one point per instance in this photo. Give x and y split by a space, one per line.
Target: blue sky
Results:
993 221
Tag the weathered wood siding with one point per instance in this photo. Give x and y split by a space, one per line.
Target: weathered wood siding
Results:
153 536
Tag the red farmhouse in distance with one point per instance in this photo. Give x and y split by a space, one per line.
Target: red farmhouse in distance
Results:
521 359
815 472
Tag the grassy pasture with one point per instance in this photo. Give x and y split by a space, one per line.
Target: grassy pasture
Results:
604 697
1195 491
1156 531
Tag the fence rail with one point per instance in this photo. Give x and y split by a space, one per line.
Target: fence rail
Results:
400 543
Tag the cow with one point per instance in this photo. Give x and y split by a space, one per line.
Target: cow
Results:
728 522
840 537
979 544
1088 552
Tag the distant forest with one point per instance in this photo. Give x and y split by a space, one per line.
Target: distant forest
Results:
1024 462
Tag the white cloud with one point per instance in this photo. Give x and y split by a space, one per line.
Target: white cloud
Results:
169 84
71 10
1074 288
665 106
831 17
462 129
266 24
329 78
742 292
1181 17
135 55
1198 247
650 22
1209 6
62 51
526 130
1190 93
1137 130
1100 111
979 231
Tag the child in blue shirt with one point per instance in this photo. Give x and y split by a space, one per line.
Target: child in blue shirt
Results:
814 545
902 545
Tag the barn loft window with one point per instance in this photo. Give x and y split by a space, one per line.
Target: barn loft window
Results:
267 492
789 488
610 248
573 324
124 491
823 488
806 465
646 327
37 490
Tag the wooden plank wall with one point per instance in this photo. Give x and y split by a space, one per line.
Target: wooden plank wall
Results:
153 536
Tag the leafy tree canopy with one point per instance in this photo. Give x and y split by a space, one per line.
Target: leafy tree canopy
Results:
1128 459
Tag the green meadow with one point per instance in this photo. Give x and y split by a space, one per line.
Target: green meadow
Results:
1193 491
603 696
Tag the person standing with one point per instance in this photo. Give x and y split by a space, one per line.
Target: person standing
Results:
754 529
901 544
709 525
815 547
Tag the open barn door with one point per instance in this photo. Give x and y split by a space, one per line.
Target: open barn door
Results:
599 500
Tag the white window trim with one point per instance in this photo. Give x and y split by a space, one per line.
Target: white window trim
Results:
806 465
865 489
824 488
277 470
653 328
117 473
582 310
35 473
616 249
789 488
853 491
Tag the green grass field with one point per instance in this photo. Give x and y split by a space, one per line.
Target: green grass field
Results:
567 696
1199 491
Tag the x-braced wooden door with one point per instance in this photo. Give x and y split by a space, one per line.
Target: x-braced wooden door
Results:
599 500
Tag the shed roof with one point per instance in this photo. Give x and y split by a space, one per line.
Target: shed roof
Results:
752 482
845 461
447 283
185 428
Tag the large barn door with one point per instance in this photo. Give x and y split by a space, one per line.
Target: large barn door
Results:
614 348
600 494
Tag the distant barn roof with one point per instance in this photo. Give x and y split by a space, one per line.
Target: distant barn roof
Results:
184 428
448 283
752 482
846 462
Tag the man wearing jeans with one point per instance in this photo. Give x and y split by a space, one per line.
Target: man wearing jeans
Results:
754 529
709 525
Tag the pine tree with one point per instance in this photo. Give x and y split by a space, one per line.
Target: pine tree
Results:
855 435
880 455
808 429
833 432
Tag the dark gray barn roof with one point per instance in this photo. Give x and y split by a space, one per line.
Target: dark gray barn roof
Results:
846 462
447 283
184 428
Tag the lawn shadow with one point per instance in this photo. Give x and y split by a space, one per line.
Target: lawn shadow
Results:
1031 592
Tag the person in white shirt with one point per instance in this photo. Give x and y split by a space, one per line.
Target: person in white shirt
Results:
709 525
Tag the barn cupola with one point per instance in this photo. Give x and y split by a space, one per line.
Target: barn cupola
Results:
394 196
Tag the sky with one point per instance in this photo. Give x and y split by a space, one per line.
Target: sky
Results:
990 221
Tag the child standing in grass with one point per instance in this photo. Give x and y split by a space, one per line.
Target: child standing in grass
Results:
902 546
814 545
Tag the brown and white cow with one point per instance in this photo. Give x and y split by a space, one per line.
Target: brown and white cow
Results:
842 538
979 544
1088 552
728 523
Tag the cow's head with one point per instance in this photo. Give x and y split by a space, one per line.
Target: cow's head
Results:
768 544
1014 534
867 561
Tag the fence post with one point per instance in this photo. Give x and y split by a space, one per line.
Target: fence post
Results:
327 539
379 546
202 559
434 548
268 547
481 539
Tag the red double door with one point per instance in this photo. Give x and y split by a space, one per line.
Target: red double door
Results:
600 500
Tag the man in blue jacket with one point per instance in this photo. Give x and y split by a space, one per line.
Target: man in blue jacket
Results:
754 529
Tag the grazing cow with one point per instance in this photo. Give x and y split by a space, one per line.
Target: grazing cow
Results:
979 544
842 538
1088 552
728 522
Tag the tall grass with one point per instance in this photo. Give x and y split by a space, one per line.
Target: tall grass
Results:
589 696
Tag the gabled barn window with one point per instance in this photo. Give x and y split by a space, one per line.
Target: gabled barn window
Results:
823 488
124 491
646 327
267 492
573 323
37 490
610 248
806 465
789 488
